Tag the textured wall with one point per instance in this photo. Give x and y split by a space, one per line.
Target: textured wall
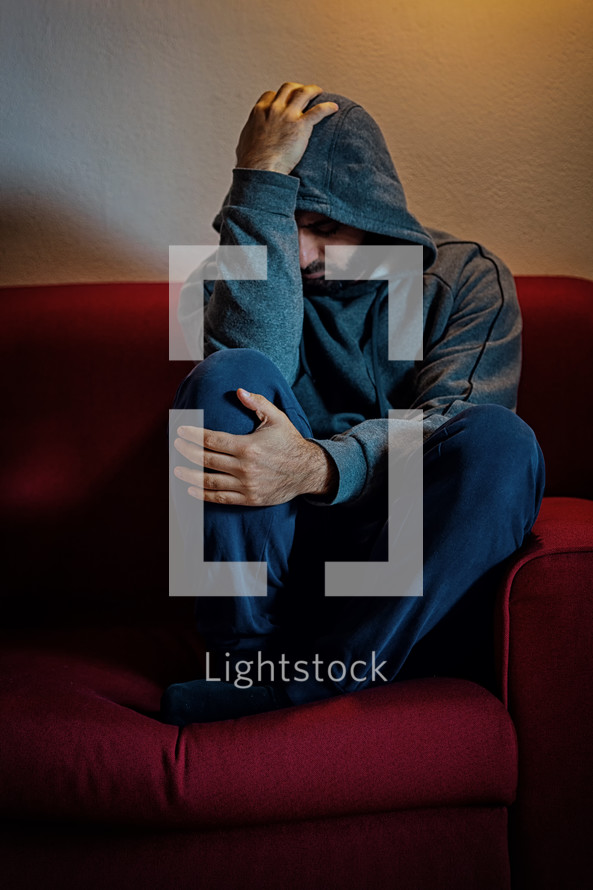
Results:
120 120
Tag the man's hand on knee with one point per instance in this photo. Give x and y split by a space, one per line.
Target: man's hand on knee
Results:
277 131
272 465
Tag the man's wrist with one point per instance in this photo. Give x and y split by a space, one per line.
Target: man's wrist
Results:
263 164
322 473
265 190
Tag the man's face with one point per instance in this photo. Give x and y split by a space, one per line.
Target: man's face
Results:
315 233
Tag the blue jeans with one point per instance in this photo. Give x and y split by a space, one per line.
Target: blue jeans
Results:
483 484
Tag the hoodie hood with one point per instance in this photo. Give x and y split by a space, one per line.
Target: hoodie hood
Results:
347 174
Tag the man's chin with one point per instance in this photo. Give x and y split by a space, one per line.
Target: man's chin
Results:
322 287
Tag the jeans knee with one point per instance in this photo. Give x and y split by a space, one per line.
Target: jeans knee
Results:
228 366
212 386
241 359
500 453
493 432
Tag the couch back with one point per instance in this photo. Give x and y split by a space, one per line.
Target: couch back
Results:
84 455
557 377
86 389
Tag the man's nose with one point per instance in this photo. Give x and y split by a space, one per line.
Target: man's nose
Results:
309 249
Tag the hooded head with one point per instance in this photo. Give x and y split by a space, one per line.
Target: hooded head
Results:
347 174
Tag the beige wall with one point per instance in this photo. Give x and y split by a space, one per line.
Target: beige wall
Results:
120 120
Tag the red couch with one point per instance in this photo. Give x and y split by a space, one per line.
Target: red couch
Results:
431 783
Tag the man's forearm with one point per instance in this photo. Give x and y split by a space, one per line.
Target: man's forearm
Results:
266 315
322 478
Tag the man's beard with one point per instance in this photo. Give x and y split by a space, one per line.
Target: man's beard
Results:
323 287
328 287
353 272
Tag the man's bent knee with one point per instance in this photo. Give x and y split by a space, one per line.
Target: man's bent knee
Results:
212 386
498 456
491 434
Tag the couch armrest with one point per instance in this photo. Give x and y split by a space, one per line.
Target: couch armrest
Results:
545 647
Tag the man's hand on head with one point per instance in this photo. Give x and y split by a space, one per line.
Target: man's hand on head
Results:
270 466
277 131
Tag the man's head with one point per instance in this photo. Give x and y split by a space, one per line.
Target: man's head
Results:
316 232
345 173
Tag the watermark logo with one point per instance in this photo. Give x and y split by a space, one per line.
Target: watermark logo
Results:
401 574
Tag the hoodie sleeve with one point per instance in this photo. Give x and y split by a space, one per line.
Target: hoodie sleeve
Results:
472 356
475 357
264 315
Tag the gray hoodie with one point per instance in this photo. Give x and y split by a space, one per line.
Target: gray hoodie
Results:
332 349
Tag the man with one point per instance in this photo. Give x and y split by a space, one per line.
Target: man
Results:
296 389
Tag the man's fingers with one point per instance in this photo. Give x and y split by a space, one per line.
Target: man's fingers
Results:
297 95
207 481
224 443
204 458
285 91
266 98
228 498
264 409
318 112
214 488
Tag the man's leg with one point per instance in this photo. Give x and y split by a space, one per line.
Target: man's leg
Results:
235 628
241 534
483 484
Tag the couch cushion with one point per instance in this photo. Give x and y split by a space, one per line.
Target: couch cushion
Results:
461 848
79 742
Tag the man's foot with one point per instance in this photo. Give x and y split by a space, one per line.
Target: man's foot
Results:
204 701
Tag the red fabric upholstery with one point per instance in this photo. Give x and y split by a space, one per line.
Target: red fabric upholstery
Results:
403 786
555 388
562 537
448 849
89 380
83 506
99 758
547 681
88 360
